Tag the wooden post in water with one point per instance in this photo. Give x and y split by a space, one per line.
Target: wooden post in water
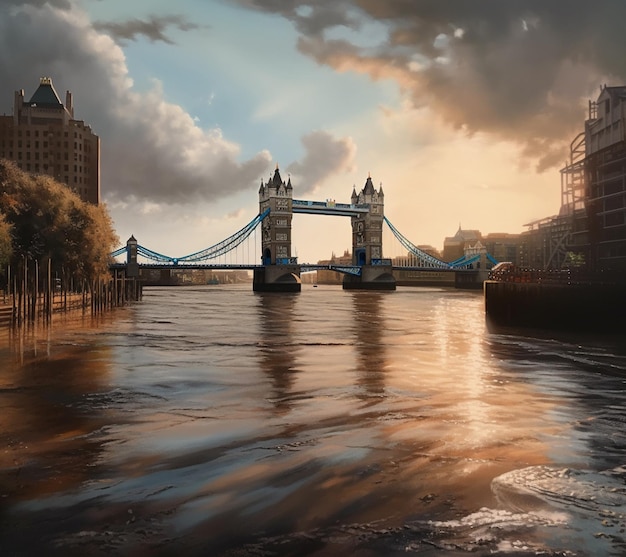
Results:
36 292
49 292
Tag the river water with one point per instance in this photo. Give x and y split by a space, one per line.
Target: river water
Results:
217 421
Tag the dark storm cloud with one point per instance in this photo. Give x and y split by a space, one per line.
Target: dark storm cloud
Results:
324 157
521 70
62 4
154 28
151 150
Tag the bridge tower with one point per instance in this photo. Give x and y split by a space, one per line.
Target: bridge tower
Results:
367 228
367 241
277 196
280 271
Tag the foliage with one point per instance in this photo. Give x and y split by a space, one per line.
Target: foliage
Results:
49 221
6 248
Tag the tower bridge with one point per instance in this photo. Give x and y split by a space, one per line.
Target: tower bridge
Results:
279 270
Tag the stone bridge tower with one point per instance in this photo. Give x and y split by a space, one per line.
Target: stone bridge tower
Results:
277 196
367 228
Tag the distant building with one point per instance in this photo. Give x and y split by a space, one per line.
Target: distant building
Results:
503 246
43 137
325 276
454 246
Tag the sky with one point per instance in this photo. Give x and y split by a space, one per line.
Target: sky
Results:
463 110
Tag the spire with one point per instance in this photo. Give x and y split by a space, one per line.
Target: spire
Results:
289 186
262 188
369 186
354 196
277 180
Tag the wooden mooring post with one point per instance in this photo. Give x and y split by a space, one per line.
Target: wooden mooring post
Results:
30 295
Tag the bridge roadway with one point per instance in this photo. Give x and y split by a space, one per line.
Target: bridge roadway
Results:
327 208
304 267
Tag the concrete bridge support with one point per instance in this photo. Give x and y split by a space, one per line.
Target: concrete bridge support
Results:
277 278
373 277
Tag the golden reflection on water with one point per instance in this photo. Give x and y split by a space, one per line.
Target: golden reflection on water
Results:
368 328
320 407
278 352
44 426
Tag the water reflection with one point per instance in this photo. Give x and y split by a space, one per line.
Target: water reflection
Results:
587 373
46 416
277 350
368 330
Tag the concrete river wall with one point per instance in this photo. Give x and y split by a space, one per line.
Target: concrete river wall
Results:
591 307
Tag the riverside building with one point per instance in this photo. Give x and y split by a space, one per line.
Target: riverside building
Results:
590 229
43 137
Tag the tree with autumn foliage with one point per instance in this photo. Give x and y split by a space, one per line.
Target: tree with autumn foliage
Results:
46 221
6 248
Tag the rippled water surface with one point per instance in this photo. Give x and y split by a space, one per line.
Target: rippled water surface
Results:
216 421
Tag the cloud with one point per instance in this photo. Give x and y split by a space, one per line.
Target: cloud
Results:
150 149
62 4
520 71
152 28
324 157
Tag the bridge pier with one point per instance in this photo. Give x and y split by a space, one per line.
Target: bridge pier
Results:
277 278
373 277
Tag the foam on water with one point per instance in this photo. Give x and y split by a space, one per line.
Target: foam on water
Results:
590 505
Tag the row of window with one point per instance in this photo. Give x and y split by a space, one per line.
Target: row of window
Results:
45 144
44 168
8 131
20 156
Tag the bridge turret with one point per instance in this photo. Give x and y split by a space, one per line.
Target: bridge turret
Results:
132 264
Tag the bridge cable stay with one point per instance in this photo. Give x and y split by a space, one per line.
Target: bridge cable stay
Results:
492 259
228 244
426 259
465 262
211 252
153 255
